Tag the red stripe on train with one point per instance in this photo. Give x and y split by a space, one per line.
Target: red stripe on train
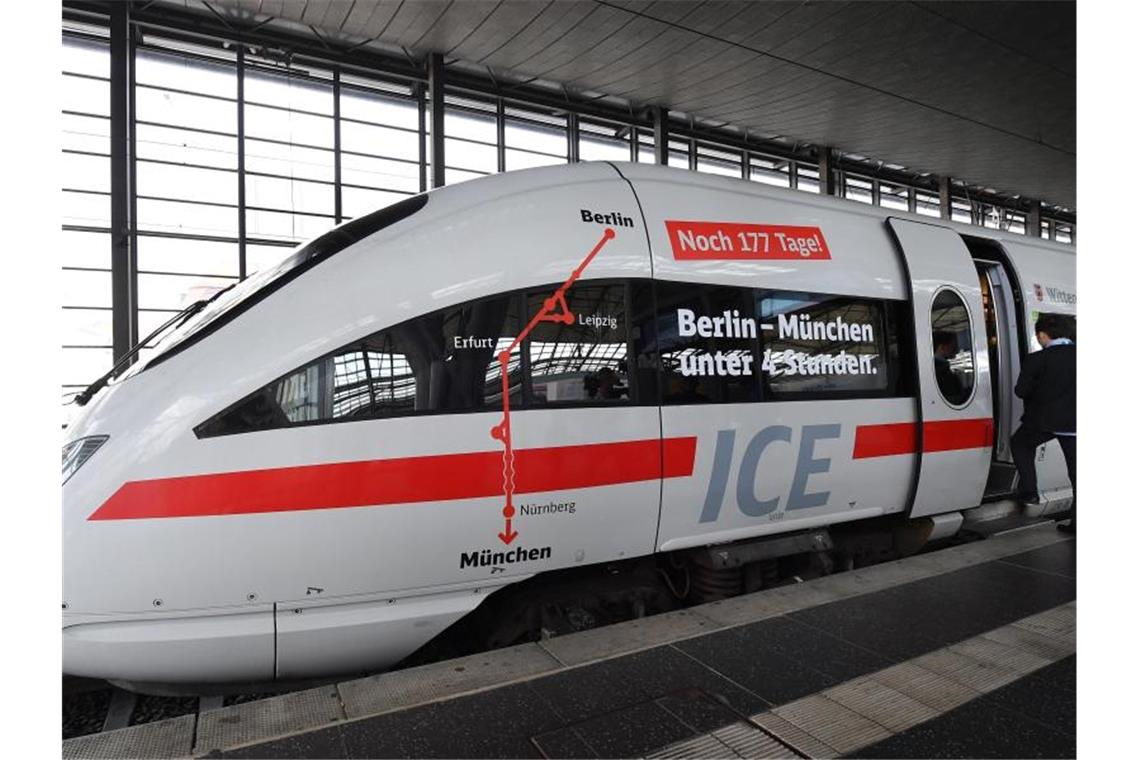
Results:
943 435
400 481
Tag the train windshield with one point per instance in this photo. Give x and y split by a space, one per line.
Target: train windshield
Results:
229 303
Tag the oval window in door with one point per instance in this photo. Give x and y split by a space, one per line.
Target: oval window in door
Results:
953 346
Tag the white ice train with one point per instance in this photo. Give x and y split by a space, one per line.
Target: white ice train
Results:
315 473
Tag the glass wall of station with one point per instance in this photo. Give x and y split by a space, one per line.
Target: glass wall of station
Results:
238 162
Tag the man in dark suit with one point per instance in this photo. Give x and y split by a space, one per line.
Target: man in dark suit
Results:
945 349
1048 385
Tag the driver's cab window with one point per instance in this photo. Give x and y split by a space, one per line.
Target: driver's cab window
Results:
953 347
446 361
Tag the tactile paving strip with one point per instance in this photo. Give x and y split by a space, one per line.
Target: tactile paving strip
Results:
869 709
995 653
931 689
794 736
1048 647
628 636
832 723
739 740
268 718
747 741
891 709
405 688
161 739
1059 622
979 676
702 746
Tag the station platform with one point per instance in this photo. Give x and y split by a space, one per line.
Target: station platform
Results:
968 651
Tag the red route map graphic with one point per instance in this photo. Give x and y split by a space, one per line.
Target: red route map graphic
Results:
502 431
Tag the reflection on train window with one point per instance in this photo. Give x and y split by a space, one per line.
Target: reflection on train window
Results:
707 343
819 344
448 360
584 359
444 361
952 344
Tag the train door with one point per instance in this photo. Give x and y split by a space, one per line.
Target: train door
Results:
955 411
1000 312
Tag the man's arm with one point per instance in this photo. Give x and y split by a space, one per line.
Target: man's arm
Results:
1031 369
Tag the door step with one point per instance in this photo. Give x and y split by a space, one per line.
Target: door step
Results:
1002 480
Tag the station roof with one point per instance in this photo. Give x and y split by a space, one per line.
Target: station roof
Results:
984 92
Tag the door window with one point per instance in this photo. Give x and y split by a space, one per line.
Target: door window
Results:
952 344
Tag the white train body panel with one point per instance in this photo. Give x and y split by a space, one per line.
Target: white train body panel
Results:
717 506
282 589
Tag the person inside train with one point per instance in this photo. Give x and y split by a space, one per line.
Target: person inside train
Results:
1048 385
608 384
685 390
945 348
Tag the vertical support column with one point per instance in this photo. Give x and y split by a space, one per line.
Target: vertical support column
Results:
692 154
501 134
338 203
572 138
123 278
243 268
944 203
634 143
876 193
660 136
793 174
746 166
827 183
1033 220
435 96
133 214
419 90
912 200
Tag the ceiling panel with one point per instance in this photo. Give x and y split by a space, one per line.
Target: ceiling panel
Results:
982 91
414 20
554 22
506 21
458 23
370 20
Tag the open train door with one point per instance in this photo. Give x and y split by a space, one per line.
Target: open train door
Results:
955 429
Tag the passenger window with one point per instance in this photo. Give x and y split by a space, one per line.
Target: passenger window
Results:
952 343
453 356
584 359
815 345
444 361
707 341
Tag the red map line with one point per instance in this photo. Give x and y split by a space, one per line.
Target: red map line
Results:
502 431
